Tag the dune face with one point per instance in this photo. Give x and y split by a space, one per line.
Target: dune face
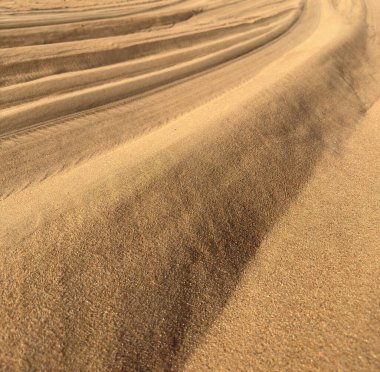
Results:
189 185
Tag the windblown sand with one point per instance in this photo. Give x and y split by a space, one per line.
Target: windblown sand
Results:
189 185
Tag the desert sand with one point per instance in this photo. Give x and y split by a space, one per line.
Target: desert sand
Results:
190 185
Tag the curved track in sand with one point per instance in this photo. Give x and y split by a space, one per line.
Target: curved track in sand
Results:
150 150
49 81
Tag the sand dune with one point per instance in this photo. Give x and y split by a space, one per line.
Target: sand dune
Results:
189 185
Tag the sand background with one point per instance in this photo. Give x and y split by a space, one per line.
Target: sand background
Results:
189 185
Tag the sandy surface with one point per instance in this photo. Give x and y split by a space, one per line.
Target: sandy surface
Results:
190 185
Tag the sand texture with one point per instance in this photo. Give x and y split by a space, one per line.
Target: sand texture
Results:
189 185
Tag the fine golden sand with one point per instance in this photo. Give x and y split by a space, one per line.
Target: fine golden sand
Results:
189 185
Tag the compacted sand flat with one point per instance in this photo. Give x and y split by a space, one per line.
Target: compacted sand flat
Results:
190 185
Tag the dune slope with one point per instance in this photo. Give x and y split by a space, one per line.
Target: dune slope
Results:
168 180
